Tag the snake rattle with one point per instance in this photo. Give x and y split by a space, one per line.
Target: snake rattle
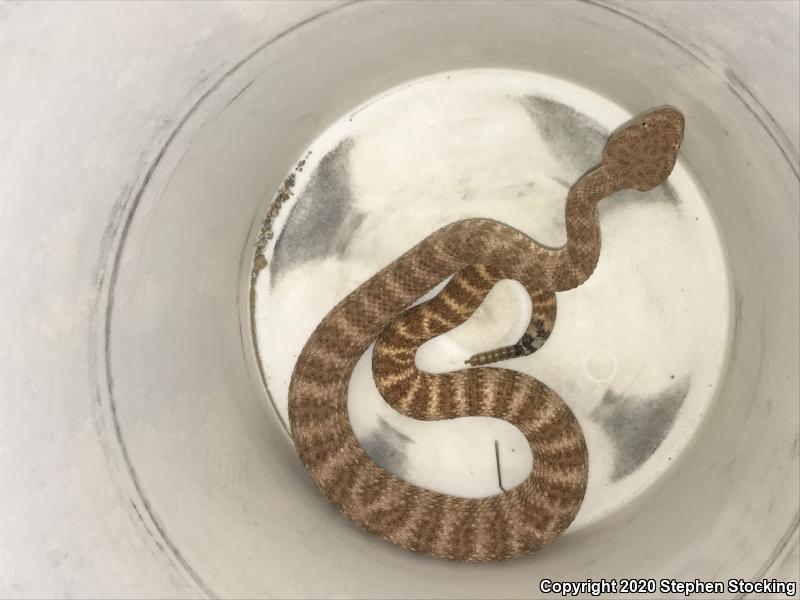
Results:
477 253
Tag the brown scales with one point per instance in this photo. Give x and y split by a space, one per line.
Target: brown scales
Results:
478 253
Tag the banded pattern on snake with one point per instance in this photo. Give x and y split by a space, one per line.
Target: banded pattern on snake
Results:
476 253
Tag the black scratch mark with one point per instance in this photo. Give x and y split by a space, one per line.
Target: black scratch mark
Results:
239 93
497 461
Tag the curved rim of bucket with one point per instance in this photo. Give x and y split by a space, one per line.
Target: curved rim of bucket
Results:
118 227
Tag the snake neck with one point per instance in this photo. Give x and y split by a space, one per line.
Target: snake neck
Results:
579 256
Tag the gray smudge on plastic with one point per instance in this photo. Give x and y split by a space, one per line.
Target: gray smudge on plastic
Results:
386 446
577 140
323 219
637 425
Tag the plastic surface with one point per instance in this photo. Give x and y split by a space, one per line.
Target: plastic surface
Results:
141 146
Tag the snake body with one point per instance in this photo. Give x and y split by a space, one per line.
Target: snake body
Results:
476 253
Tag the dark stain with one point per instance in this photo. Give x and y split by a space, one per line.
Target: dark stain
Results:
387 447
323 220
285 192
577 140
637 425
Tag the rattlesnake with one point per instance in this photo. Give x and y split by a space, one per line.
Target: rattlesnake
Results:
477 253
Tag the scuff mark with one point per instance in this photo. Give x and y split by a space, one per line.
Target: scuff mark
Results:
387 447
324 218
577 140
636 425
236 97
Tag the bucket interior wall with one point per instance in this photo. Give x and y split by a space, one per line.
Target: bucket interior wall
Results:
175 467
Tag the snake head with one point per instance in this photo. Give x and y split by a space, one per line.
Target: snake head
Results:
643 153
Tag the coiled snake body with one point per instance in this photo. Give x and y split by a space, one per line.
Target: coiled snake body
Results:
477 253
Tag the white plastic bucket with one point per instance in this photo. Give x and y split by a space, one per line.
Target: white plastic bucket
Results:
176 439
